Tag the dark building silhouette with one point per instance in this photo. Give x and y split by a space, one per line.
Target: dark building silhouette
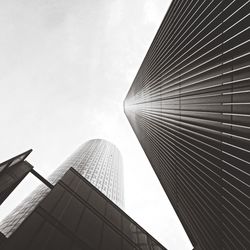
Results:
99 161
12 173
73 213
189 106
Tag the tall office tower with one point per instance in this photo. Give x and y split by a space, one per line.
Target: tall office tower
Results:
189 106
97 160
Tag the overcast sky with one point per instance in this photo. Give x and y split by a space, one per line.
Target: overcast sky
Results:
65 69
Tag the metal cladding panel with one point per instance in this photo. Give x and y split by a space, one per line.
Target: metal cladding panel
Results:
69 218
189 106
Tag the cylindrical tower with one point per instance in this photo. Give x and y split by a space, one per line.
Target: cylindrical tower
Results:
99 161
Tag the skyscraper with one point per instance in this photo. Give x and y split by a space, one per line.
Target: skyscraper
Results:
97 160
189 107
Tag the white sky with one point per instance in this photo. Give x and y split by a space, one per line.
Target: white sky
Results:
65 69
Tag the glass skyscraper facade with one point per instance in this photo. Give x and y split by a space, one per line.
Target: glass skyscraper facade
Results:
189 106
97 160
100 162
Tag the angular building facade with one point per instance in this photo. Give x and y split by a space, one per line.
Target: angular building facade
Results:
12 172
76 215
189 106
99 161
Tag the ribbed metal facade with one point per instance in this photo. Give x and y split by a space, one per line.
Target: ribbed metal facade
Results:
189 106
97 160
